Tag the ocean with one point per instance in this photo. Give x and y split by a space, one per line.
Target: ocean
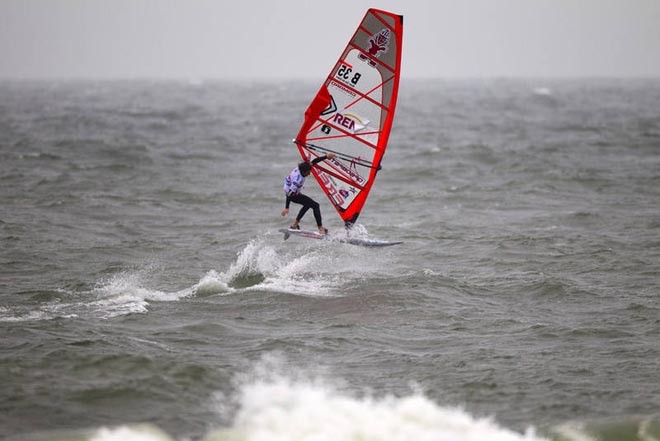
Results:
146 293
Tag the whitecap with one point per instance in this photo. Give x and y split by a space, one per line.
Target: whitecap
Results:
277 406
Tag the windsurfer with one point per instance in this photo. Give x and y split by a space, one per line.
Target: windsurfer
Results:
293 185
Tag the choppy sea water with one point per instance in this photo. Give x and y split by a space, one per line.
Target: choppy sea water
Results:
145 292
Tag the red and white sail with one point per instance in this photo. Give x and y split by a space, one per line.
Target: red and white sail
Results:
352 113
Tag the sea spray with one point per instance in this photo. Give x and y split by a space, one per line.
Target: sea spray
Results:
211 283
126 293
122 293
265 267
275 406
136 432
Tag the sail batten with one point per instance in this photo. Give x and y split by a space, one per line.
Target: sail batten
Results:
352 159
366 95
352 113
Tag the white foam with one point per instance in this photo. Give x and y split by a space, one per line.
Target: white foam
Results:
303 275
256 258
261 266
126 433
211 283
310 268
8 314
121 294
124 293
276 407
357 230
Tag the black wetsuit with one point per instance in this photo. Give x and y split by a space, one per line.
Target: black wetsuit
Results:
292 186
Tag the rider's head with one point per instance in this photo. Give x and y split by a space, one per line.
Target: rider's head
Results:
305 168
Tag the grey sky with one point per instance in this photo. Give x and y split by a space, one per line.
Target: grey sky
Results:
199 39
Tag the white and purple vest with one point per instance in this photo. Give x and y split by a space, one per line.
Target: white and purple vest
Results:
293 183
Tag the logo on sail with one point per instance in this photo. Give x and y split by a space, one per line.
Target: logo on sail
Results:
379 43
350 121
350 172
332 107
331 190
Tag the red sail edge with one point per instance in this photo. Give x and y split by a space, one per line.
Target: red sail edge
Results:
320 102
352 113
